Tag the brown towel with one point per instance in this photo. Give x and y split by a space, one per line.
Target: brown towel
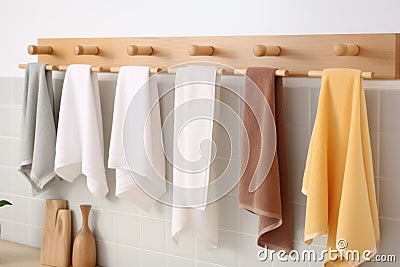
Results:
271 200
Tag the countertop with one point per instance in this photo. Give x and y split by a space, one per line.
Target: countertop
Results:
16 255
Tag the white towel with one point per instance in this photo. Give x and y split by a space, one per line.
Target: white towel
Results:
79 147
139 178
195 88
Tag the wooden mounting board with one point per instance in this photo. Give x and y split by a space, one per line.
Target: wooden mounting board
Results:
379 53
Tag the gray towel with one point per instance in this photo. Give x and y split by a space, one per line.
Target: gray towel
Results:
38 136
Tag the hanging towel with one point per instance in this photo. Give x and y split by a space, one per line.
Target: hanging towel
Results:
195 92
338 179
79 147
266 195
144 154
38 136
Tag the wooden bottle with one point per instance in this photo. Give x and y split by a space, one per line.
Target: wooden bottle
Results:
84 250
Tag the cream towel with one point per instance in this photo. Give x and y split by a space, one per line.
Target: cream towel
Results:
145 162
193 124
339 179
79 147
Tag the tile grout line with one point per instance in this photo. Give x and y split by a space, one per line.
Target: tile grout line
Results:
379 150
140 238
114 233
29 222
390 219
12 213
377 193
195 249
166 254
309 113
309 140
166 234
298 203
238 229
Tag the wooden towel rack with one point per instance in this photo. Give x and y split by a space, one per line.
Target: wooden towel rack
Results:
222 71
377 55
364 74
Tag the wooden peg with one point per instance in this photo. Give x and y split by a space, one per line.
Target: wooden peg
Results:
365 74
86 50
51 67
139 50
62 67
314 73
266 51
99 69
346 49
368 75
219 71
40 50
151 71
281 73
48 67
114 69
200 50
93 68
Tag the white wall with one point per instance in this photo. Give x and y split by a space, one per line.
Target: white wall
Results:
23 21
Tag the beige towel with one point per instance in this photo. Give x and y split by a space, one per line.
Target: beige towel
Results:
270 198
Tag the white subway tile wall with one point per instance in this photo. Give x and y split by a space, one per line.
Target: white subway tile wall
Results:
127 236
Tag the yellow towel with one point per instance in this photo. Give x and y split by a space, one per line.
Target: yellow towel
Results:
339 179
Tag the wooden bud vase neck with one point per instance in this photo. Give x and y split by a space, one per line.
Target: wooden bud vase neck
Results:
84 250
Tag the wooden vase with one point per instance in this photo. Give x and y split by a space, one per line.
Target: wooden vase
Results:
84 250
